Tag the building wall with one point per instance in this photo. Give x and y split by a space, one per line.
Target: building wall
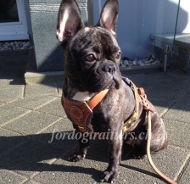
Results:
138 19
43 18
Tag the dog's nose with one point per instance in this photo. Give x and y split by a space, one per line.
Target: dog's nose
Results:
109 68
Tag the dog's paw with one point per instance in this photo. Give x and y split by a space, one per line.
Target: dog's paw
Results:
139 156
109 176
76 158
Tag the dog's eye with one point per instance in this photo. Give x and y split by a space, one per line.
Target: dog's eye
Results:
118 55
90 58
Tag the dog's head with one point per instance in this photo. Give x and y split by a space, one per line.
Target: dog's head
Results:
92 54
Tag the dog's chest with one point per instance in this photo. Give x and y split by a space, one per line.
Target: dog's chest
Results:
82 96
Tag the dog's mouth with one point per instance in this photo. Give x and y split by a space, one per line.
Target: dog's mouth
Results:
117 79
101 80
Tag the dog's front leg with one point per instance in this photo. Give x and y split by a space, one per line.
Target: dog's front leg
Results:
83 148
115 148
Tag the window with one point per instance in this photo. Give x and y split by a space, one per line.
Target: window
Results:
13 23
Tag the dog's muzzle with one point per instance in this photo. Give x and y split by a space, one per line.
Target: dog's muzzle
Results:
111 75
111 69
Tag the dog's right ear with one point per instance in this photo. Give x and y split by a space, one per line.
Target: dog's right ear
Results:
69 20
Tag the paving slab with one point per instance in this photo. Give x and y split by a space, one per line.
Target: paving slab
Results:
8 95
154 79
5 83
54 107
33 102
9 112
183 83
178 115
140 80
163 98
178 133
16 59
15 64
161 105
31 123
63 125
59 134
9 141
184 178
180 110
132 171
3 57
168 161
32 182
87 171
1 103
60 87
17 69
11 177
163 94
40 89
11 83
31 157
2 62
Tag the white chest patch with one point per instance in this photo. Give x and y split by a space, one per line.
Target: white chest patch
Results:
82 96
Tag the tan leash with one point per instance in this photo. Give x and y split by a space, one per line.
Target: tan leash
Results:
149 155
147 107
149 110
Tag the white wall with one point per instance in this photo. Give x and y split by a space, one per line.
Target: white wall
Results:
138 19
185 6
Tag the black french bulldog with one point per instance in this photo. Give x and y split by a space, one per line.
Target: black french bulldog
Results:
92 58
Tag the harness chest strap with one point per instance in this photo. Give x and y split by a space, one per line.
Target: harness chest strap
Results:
81 111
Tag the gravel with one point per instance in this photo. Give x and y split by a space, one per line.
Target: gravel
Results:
126 62
15 45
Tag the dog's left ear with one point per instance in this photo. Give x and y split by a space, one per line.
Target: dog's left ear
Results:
69 20
109 16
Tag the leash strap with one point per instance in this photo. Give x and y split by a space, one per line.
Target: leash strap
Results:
162 175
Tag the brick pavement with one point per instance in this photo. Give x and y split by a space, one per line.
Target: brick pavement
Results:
30 114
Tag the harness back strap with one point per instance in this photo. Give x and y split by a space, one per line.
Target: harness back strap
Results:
80 112
138 92
135 114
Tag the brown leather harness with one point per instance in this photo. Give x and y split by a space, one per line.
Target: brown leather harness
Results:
80 112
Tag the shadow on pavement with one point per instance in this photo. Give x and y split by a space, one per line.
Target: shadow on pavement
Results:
33 153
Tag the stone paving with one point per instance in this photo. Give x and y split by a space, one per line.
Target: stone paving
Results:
30 114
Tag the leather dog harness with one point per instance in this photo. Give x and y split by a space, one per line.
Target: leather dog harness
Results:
80 112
